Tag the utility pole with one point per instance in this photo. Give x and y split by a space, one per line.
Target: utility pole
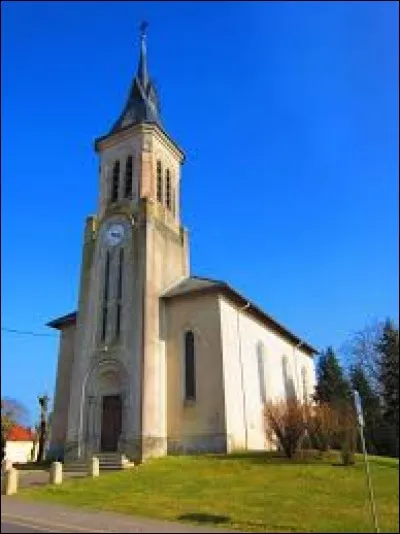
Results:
360 419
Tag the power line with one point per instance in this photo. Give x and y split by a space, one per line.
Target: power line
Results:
26 332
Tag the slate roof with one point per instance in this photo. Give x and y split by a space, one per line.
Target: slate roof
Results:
196 284
192 283
62 321
143 103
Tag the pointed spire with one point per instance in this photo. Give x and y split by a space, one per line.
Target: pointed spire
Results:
142 67
142 104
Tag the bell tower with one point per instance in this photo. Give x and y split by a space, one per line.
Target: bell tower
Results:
134 249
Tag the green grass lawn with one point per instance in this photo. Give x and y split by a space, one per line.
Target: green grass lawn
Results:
249 492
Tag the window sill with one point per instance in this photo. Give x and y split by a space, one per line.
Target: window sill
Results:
187 403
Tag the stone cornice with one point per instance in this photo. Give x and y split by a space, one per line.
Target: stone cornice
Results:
107 141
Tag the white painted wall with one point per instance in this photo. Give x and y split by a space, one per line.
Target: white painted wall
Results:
19 451
243 403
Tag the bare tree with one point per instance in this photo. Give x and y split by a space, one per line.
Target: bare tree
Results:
285 420
361 350
12 413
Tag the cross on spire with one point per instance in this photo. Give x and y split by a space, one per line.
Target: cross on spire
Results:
142 67
143 27
142 104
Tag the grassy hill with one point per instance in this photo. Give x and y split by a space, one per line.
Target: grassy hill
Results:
250 492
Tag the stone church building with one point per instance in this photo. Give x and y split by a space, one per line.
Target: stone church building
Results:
156 360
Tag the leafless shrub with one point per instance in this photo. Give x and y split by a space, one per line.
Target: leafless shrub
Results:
322 425
285 420
347 432
333 426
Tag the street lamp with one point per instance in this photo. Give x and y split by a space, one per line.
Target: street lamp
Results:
360 420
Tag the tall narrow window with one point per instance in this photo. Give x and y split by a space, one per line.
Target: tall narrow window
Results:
173 201
105 297
168 189
119 293
190 372
261 371
115 182
128 177
288 383
304 380
159 182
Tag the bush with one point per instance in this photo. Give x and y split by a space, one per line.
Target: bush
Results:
322 425
285 420
333 426
347 432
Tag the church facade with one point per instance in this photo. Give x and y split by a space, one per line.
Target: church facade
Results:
155 360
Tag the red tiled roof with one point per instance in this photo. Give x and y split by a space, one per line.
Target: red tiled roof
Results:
19 433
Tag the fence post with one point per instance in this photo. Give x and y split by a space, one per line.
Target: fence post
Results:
6 465
56 473
94 467
10 482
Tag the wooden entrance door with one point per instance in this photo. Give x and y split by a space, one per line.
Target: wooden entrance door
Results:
111 422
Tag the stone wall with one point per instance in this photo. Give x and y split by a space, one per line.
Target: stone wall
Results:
195 425
62 392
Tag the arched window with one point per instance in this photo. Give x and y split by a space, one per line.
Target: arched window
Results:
168 189
128 177
119 293
159 182
261 371
190 364
105 296
115 182
287 379
304 383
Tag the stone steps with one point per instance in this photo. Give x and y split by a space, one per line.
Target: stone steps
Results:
109 461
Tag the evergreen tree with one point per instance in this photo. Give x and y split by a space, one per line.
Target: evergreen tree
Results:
332 386
334 389
388 349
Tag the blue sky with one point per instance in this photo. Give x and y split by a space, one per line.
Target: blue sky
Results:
288 113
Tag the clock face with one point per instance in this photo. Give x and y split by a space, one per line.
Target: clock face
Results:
114 234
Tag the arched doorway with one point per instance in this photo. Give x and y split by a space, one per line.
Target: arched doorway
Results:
105 406
111 410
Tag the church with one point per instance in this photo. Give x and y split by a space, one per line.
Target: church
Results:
156 360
